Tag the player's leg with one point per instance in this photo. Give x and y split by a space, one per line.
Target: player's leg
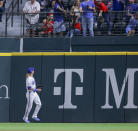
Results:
37 108
30 98
27 97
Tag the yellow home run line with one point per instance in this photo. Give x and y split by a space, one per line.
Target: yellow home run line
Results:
68 53
5 54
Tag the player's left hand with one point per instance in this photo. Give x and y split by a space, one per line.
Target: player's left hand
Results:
39 90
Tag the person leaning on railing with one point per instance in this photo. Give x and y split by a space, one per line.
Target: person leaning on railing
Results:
103 15
31 10
132 27
87 7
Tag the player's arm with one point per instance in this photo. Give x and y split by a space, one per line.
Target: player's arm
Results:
29 86
32 89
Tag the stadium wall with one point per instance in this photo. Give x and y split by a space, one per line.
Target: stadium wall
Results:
78 87
10 44
81 44
75 44
5 78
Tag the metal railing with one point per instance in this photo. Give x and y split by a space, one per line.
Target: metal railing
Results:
118 23
10 10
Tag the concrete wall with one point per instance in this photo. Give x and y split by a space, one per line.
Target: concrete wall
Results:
76 44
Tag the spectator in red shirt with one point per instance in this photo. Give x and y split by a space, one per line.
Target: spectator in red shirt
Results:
103 15
48 26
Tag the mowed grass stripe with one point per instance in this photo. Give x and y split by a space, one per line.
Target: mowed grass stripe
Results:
69 126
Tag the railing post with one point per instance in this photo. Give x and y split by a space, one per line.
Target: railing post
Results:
12 14
6 20
21 30
23 23
69 25
18 3
70 28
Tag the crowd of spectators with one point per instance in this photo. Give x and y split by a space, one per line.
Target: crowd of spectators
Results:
68 17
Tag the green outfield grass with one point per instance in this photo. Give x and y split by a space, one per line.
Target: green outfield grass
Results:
68 127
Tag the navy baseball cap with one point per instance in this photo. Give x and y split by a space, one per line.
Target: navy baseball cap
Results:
30 69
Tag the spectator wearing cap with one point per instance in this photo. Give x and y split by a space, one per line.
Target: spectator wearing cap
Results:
132 27
59 13
102 15
31 10
87 7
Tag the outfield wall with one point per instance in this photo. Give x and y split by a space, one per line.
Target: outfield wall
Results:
5 72
78 87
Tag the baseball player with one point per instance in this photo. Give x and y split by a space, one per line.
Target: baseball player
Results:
31 96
